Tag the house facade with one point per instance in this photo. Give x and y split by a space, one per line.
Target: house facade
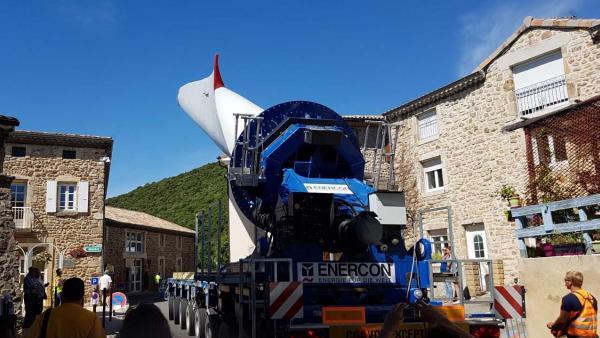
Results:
57 200
138 245
458 145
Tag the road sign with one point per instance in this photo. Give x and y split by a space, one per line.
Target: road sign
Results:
94 280
94 248
286 300
508 301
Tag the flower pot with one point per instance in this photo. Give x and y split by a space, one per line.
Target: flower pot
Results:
514 202
569 249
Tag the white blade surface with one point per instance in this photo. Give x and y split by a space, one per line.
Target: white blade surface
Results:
213 108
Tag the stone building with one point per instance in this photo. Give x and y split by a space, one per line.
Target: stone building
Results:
57 200
459 144
138 245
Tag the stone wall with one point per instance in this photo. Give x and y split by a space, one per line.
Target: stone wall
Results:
478 157
64 230
115 253
9 265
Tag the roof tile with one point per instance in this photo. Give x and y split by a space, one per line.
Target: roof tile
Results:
142 219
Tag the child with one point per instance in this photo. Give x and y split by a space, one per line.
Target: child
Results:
95 297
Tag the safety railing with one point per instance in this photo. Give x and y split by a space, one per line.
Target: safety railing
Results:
541 95
23 218
380 155
574 221
456 274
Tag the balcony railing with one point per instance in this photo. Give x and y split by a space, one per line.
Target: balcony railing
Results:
542 95
23 218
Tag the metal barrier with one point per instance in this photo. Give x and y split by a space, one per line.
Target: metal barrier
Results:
455 273
514 328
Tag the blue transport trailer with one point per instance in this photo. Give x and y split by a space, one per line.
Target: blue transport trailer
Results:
330 258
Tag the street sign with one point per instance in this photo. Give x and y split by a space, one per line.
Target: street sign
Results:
94 280
94 248
69 263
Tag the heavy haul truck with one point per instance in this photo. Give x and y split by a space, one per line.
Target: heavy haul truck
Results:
316 248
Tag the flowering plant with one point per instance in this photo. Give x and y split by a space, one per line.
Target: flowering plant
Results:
78 252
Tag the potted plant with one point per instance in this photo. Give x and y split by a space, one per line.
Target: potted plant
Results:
568 244
77 252
42 258
509 194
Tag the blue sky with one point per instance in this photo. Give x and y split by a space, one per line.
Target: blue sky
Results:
113 68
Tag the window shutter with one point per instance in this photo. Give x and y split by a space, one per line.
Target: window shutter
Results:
82 196
51 196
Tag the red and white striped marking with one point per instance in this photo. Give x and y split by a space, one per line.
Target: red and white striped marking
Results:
286 300
508 301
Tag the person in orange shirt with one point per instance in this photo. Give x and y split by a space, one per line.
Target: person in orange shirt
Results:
578 311
70 319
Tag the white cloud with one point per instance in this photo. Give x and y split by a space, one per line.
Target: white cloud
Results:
483 31
92 15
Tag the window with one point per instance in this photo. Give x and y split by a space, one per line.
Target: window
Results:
179 242
438 243
161 266
549 149
66 196
433 175
17 151
69 154
179 264
161 239
540 83
427 124
18 194
134 242
478 248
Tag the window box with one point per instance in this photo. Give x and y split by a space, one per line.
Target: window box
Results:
569 249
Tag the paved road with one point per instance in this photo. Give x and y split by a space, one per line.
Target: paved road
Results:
112 328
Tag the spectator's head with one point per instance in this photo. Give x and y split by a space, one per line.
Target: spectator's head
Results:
31 270
573 278
144 320
73 290
59 272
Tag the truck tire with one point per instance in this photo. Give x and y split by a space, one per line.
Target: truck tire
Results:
190 317
170 304
176 302
182 312
199 319
211 326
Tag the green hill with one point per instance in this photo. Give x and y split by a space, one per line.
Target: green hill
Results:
179 198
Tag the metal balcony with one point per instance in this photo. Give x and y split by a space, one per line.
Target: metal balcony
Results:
23 218
542 95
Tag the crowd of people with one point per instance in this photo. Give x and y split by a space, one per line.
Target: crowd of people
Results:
69 318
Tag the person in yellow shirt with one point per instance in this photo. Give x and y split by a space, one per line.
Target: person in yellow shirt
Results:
70 319
58 283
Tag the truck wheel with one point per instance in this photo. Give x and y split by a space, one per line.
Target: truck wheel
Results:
199 319
170 304
211 326
176 302
182 313
189 319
